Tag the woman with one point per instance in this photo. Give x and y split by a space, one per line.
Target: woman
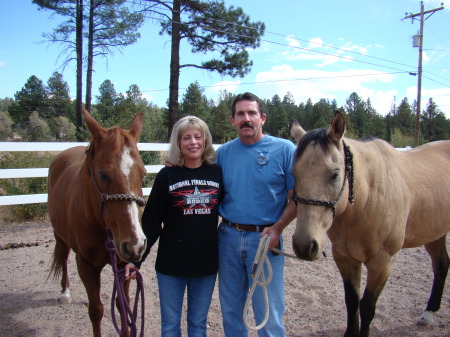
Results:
182 211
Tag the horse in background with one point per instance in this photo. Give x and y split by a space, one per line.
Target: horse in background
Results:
92 191
372 200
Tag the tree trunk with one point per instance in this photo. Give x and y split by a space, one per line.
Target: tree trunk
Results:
174 65
90 59
79 52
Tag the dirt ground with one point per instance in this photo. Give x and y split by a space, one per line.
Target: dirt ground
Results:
314 294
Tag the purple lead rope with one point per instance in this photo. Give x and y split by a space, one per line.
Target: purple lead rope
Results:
128 317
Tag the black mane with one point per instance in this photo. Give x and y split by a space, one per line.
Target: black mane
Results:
317 135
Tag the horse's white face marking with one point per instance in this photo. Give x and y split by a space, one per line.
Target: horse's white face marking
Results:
126 162
134 214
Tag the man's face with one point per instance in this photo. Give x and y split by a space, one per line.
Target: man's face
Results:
248 121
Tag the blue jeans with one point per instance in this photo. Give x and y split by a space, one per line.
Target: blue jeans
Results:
237 251
171 293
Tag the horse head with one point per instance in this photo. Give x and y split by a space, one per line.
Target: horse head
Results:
320 183
116 171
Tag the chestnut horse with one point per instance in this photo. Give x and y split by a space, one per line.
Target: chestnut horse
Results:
372 200
93 190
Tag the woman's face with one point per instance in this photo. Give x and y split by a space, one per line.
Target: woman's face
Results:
192 146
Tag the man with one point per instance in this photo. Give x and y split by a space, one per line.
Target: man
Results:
258 185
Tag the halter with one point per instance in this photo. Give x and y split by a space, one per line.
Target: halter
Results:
348 157
116 197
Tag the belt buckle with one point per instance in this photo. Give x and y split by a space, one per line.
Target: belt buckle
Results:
238 229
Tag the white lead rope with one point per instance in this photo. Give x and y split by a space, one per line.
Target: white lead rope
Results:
257 272
259 279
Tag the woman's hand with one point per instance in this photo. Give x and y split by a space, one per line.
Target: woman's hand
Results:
130 274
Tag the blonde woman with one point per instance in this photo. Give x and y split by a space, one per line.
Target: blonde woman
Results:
182 211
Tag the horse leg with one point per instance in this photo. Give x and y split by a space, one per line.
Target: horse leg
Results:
350 271
59 266
378 269
440 260
90 275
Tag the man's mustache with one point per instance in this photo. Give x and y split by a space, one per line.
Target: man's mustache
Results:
246 125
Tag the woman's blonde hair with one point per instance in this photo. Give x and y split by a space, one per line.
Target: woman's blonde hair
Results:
174 155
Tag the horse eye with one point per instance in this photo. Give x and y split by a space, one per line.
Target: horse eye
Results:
335 176
103 176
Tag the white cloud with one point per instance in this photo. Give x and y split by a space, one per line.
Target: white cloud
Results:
215 89
2 63
292 42
440 96
315 43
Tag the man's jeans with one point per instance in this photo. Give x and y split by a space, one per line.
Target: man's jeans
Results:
171 293
237 252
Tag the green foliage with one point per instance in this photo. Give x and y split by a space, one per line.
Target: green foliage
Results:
433 124
37 129
65 130
225 33
399 139
5 125
32 97
195 103
19 186
220 126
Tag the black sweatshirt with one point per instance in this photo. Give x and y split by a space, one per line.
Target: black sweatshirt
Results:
182 211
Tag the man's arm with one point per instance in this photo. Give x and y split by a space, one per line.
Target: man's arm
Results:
289 214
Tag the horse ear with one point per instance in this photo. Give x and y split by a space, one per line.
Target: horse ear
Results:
296 130
93 126
337 128
136 126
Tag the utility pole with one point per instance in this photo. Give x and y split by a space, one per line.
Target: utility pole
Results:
419 80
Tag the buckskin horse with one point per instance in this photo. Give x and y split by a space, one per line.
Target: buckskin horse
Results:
372 200
92 191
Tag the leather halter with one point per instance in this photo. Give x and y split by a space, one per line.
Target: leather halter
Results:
348 158
117 197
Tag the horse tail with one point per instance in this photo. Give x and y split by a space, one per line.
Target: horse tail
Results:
59 260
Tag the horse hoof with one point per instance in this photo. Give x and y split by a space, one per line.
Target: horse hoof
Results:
426 319
65 298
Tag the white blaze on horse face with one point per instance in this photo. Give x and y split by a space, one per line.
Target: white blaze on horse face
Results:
126 162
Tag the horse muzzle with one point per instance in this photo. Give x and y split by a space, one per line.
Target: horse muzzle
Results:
308 250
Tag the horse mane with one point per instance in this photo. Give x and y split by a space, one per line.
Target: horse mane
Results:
320 136
317 135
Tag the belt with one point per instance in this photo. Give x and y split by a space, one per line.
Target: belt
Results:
248 228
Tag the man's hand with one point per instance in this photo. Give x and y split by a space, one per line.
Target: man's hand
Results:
274 234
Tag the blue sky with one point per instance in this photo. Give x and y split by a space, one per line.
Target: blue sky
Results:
312 49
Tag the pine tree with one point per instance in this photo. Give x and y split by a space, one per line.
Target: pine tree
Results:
210 29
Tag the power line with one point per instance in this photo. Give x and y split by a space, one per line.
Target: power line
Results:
298 39
286 80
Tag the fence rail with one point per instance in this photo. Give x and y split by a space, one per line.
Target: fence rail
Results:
58 147
43 172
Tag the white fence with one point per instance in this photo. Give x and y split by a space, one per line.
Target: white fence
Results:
43 172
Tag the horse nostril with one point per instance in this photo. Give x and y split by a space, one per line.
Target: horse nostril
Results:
314 249
125 250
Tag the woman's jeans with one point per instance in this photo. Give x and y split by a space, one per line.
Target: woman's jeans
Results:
237 250
171 293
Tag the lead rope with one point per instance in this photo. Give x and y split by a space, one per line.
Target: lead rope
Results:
128 317
259 279
257 271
